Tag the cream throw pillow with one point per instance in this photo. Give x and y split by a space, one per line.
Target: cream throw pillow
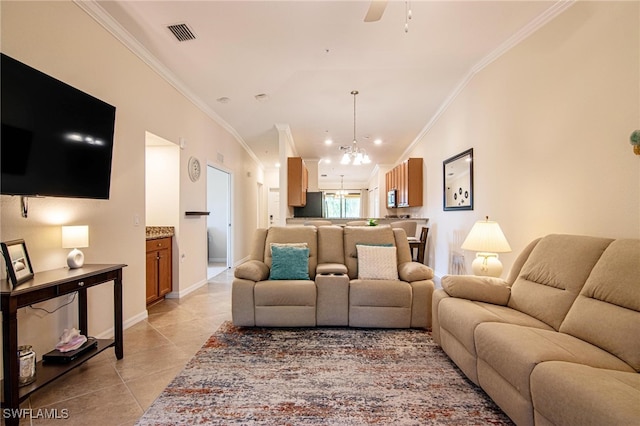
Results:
377 263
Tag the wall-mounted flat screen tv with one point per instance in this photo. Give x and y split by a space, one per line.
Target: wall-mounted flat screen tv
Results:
55 139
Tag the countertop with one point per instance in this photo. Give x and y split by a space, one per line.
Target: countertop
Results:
155 232
379 220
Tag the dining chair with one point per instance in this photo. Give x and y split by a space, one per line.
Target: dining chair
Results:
409 227
420 244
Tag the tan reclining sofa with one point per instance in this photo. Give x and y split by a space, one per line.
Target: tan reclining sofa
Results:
558 341
347 283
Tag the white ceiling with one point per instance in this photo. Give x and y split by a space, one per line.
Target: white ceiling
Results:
307 56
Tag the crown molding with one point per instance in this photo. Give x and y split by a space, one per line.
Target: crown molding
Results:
522 34
94 10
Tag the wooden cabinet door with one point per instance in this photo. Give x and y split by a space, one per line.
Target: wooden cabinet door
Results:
164 272
152 276
297 182
159 269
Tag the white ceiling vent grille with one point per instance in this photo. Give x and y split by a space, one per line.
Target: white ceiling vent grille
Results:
182 32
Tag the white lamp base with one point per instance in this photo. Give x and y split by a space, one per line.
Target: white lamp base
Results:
487 264
75 259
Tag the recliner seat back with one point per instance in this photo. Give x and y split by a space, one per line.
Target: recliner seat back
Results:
607 311
291 234
554 274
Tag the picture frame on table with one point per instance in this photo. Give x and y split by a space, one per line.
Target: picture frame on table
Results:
16 258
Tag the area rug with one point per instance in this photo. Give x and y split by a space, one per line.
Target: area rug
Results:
321 376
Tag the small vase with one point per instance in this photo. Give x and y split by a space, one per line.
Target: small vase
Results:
636 149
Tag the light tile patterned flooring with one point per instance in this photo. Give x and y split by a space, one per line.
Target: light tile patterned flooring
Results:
105 391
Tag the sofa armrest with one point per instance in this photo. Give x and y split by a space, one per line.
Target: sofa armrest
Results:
331 268
482 289
253 270
414 271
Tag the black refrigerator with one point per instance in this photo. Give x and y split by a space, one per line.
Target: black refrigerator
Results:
313 208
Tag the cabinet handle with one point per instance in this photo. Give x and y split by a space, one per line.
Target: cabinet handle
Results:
159 244
81 284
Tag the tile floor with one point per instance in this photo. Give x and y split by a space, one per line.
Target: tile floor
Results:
105 391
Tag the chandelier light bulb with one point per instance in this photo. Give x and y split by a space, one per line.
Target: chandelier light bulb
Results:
352 153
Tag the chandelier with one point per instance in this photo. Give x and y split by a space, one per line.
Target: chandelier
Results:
352 153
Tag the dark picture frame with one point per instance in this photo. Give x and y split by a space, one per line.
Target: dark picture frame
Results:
16 258
457 182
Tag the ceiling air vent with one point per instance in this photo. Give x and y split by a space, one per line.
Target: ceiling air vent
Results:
182 32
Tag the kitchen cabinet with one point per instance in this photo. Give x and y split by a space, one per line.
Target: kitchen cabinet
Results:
159 269
407 179
297 182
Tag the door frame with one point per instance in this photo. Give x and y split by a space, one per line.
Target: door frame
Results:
229 174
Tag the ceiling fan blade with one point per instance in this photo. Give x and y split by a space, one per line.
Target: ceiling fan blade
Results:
376 9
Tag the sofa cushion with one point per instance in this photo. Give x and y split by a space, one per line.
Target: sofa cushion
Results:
330 244
573 394
483 289
414 271
293 234
377 263
380 293
363 235
380 303
254 270
289 263
554 274
513 351
330 268
607 311
285 293
460 317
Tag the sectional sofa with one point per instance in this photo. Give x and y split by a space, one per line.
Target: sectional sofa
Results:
558 341
357 276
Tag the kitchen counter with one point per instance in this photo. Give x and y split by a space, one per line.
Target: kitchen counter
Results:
379 220
155 232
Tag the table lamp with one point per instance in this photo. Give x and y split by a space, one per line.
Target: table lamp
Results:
75 237
487 239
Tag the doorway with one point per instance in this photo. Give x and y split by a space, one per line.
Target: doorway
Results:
219 221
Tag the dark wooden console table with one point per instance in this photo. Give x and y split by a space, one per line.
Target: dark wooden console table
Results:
45 286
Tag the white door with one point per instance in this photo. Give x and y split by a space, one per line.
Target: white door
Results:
274 206
219 219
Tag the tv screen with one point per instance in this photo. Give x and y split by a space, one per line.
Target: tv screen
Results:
55 140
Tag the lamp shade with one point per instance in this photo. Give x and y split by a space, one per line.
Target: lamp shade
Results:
75 236
486 236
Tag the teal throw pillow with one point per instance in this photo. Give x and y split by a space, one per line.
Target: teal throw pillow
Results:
289 263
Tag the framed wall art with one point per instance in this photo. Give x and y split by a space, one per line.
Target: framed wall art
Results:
17 260
457 178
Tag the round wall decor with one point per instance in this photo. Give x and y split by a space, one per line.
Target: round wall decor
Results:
194 169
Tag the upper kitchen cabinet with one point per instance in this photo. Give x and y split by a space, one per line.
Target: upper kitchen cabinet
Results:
406 179
297 182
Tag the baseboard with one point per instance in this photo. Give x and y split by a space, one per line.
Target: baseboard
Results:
109 333
241 261
184 292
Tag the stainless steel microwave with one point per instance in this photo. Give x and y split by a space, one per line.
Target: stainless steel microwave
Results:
392 199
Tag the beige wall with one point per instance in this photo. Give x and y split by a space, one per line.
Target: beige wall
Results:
549 122
61 40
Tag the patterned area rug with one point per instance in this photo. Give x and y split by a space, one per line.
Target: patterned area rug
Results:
338 376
